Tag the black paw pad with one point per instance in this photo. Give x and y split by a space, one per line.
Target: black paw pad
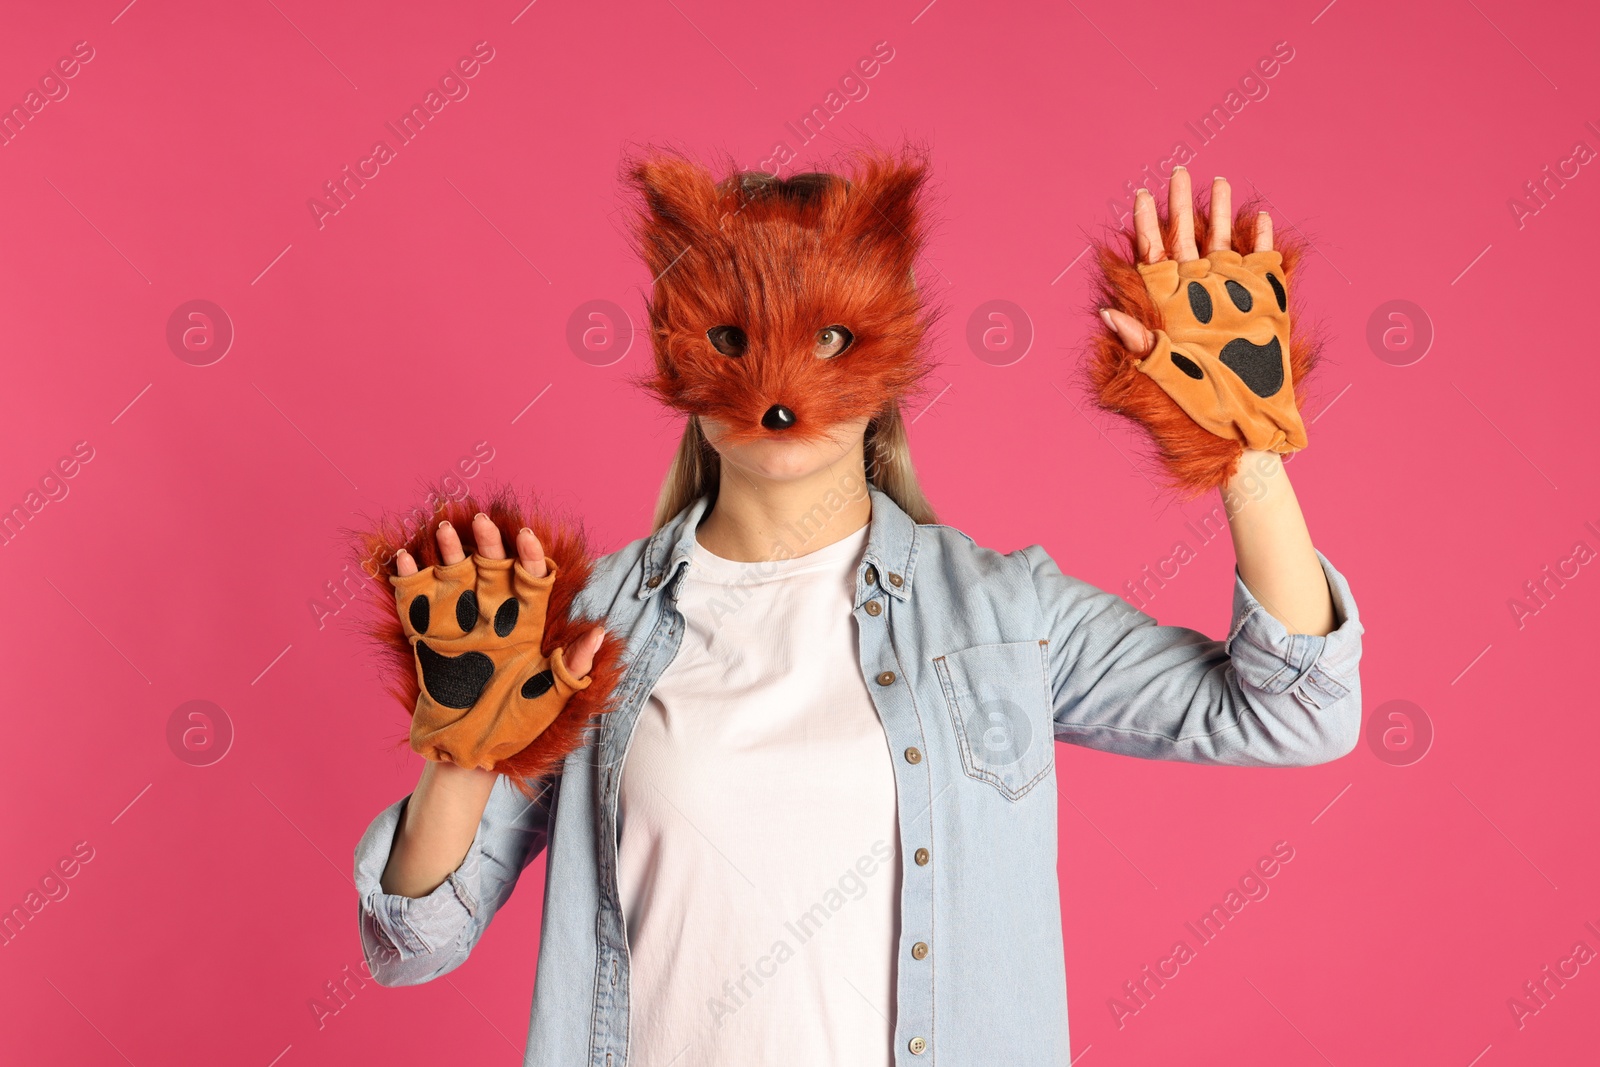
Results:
1277 291
538 685
1239 295
1199 301
505 620
1188 366
467 611
454 681
1259 366
420 614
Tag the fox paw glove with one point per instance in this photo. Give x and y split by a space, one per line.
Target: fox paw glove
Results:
1224 354
485 688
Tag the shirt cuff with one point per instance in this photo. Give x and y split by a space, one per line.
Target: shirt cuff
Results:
1320 669
413 926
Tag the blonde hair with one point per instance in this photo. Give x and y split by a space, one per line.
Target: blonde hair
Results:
697 468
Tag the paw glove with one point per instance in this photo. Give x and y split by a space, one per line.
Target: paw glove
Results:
1224 354
475 651
1226 371
485 689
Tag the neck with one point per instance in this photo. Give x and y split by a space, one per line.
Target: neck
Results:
757 519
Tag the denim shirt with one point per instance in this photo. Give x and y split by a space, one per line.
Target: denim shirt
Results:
977 662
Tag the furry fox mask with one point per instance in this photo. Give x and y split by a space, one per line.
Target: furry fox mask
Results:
783 305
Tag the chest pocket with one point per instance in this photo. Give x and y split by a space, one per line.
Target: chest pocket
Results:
1000 709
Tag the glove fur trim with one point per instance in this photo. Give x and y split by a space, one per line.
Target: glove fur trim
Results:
1194 460
565 543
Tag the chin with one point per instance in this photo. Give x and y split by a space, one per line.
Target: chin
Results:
782 459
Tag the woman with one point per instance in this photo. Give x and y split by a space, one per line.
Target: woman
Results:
819 825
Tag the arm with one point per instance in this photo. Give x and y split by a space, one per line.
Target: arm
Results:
444 811
413 939
433 868
1224 408
441 819
1284 688
1266 697
1273 547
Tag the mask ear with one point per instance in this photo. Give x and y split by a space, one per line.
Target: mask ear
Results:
888 215
680 206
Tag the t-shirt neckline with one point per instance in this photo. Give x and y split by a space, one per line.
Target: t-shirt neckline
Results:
834 557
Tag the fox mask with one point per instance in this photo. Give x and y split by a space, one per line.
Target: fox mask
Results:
783 306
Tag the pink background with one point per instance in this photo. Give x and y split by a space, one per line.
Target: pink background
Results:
185 557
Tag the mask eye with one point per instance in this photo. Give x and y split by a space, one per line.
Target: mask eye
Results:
832 340
729 340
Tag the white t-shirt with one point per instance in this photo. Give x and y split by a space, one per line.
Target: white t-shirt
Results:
759 854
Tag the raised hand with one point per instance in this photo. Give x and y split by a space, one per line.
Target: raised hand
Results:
476 624
1211 329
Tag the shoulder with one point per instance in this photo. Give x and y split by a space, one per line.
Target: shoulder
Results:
951 559
613 580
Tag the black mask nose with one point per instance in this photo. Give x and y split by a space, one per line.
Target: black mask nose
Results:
778 417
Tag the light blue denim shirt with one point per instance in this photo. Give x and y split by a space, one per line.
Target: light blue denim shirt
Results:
977 662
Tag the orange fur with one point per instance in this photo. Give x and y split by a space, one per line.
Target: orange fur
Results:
563 541
1194 459
782 260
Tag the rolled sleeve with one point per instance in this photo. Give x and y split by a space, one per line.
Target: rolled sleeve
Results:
1322 670
409 940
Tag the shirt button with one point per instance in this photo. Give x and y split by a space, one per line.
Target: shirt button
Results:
886 678
896 581
917 1046
913 756
871 575
921 856
919 951
873 607
655 580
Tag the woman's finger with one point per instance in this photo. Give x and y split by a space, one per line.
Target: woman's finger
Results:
404 564
1263 232
1221 235
449 543
490 544
530 552
1129 330
580 657
1146 228
1180 206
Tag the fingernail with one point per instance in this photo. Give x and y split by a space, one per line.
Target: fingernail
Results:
444 524
1181 167
1141 189
480 515
1105 317
524 530
1219 178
